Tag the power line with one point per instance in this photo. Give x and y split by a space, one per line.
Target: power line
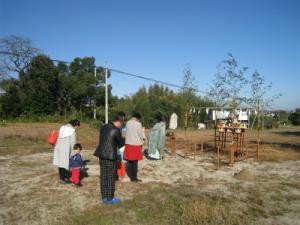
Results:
9 53
146 78
16 54
153 80
118 71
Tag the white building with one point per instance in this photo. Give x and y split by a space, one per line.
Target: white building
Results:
2 91
223 114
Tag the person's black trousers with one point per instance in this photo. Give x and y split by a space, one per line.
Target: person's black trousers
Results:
132 169
107 178
64 174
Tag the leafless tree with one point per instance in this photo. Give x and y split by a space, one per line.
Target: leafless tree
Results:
15 55
229 83
259 94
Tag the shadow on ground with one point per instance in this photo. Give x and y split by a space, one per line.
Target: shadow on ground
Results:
287 133
282 145
279 145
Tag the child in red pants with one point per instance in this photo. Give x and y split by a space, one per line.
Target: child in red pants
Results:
76 164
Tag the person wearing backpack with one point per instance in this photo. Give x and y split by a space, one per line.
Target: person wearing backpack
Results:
63 148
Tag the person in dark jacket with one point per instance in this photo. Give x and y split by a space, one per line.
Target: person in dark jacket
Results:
110 140
123 116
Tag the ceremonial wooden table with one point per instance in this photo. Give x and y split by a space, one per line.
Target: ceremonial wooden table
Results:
229 141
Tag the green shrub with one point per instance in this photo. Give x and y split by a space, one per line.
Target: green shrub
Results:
95 123
295 117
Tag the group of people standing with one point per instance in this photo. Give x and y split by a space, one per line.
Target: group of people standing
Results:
110 141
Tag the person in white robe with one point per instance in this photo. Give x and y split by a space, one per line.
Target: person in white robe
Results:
63 148
157 139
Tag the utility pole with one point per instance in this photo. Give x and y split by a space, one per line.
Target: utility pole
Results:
106 95
95 93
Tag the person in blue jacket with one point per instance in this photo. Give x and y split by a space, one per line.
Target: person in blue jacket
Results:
76 164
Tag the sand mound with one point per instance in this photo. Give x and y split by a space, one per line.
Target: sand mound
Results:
244 174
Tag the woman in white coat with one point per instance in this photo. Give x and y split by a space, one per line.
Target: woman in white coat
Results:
63 147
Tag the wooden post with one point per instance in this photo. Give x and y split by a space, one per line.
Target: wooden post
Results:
173 145
185 150
224 144
202 155
162 153
195 146
246 147
218 155
222 140
258 131
185 120
257 150
215 138
232 150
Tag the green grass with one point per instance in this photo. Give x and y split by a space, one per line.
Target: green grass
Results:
187 205
165 206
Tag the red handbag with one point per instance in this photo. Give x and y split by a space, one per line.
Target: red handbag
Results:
52 138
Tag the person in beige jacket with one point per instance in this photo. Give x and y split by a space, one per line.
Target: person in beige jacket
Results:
133 146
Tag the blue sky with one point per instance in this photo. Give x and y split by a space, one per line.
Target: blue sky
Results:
158 38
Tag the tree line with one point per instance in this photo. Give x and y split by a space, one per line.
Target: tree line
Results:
35 86
46 88
43 87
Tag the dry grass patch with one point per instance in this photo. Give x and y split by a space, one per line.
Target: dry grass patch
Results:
273 153
166 206
173 191
30 138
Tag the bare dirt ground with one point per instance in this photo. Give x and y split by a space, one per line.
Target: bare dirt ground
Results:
267 191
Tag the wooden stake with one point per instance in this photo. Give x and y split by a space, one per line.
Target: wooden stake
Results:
232 150
257 150
185 150
173 145
218 155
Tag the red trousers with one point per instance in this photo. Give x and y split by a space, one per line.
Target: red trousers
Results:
75 175
121 169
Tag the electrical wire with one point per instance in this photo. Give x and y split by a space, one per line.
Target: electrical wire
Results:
145 78
153 80
119 72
